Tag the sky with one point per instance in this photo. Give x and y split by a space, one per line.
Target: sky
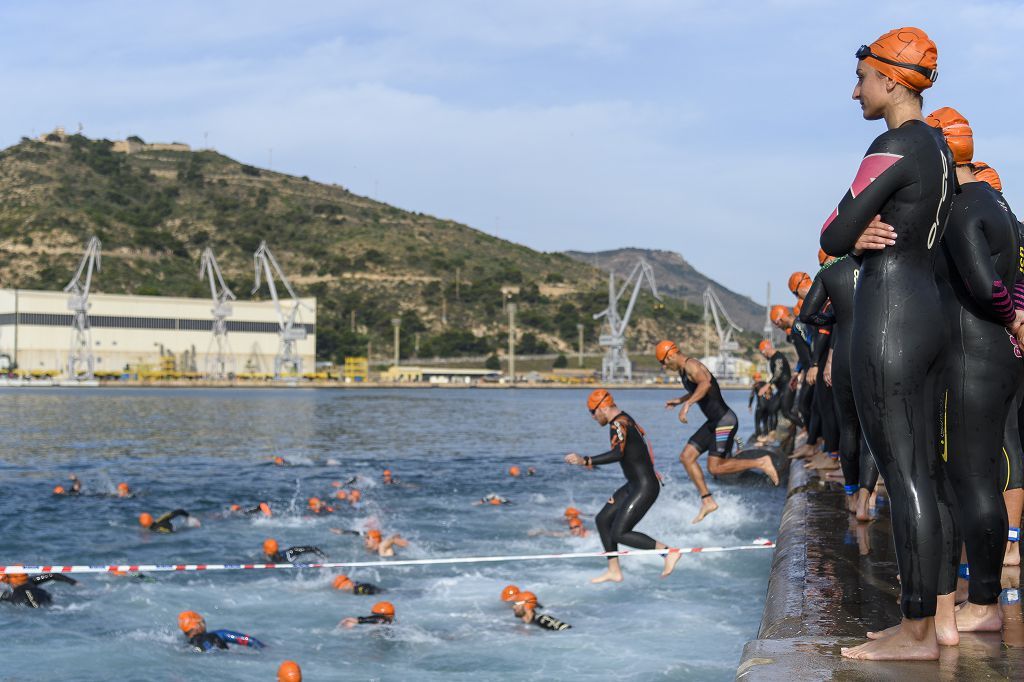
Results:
722 130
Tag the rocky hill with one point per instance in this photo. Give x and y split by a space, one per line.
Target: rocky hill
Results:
155 209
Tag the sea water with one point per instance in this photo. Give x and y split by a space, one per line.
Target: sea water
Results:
203 450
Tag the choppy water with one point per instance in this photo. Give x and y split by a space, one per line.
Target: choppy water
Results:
205 449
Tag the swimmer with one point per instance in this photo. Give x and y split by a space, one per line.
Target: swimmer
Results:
777 389
508 594
354 496
289 671
524 606
715 436
385 548
25 590
387 479
906 177
531 471
194 627
341 494
576 529
625 509
163 524
274 554
318 506
494 499
382 613
123 490
279 461
513 471
571 512
343 583
74 489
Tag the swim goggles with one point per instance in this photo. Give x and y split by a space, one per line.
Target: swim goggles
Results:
863 52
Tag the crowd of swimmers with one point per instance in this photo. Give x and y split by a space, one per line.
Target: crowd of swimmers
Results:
908 344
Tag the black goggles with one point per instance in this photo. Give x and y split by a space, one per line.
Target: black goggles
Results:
863 52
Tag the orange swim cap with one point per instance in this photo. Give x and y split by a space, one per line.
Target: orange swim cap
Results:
279 460
315 503
383 608
123 490
342 582
265 508
374 534
796 280
797 307
270 546
575 522
355 495
58 490
235 507
513 471
387 473
599 398
495 501
289 671
764 345
145 519
822 256
527 598
189 621
987 173
15 579
906 55
664 349
341 494
779 312
957 131
509 593
571 512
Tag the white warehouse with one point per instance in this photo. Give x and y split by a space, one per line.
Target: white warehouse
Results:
135 331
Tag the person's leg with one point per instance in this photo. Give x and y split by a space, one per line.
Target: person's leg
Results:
720 460
633 508
849 424
701 441
604 521
1013 487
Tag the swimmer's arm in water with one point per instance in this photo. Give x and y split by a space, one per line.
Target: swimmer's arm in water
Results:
46 577
170 516
387 546
879 177
366 588
375 619
345 531
292 553
971 253
239 638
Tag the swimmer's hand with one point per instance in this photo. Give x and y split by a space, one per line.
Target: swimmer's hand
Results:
828 369
682 413
764 390
812 375
673 402
573 458
349 623
876 237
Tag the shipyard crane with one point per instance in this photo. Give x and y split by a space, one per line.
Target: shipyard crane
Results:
81 363
220 361
615 360
290 330
725 364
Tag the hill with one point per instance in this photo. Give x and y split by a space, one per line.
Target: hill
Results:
677 278
155 209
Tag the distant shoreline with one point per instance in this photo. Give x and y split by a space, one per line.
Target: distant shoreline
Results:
356 386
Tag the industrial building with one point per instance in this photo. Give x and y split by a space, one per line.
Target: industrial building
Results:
131 334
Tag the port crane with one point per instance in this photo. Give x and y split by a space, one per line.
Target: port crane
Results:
81 362
725 364
220 361
287 361
616 362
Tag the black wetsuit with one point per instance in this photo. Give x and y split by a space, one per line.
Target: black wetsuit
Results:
715 436
365 588
33 596
761 410
289 555
781 375
163 524
798 411
548 623
628 505
219 639
836 282
907 177
983 372
375 619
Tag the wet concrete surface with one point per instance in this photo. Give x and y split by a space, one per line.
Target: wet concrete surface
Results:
833 579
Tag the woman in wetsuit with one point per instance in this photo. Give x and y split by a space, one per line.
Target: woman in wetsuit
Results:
625 509
836 282
26 591
906 177
715 436
980 264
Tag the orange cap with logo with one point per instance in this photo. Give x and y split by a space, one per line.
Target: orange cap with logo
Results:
987 173
796 279
957 131
289 671
527 598
270 546
509 593
189 621
145 519
906 55
664 349
383 608
599 398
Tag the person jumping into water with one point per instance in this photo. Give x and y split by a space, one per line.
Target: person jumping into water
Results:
625 509
26 591
194 627
716 435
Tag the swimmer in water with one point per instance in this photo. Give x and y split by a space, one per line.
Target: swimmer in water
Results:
123 490
387 479
25 590
277 556
625 509
163 524
382 613
524 606
343 583
74 489
508 594
318 506
576 529
201 641
354 496
376 543
494 499
716 434
279 461
289 671
514 471
906 180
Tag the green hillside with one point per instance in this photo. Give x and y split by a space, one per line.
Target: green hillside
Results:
156 210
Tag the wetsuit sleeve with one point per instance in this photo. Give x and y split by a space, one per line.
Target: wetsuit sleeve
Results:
618 451
613 455
803 351
170 516
239 638
46 577
971 253
814 303
375 619
291 553
366 588
548 623
879 177
753 395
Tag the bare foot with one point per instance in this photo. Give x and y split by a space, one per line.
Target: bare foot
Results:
766 465
962 589
864 506
671 559
912 641
881 634
979 618
707 505
1012 555
946 633
851 504
608 576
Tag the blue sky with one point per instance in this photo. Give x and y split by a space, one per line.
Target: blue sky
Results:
721 130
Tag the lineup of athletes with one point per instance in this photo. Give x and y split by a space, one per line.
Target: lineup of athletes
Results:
908 340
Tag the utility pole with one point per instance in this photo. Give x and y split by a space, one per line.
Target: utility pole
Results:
579 328
396 322
416 345
444 311
458 277
352 324
512 342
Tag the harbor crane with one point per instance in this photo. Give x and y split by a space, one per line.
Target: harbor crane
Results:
725 364
290 329
81 362
220 361
615 362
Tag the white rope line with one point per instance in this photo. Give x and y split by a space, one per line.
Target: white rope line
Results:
760 543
